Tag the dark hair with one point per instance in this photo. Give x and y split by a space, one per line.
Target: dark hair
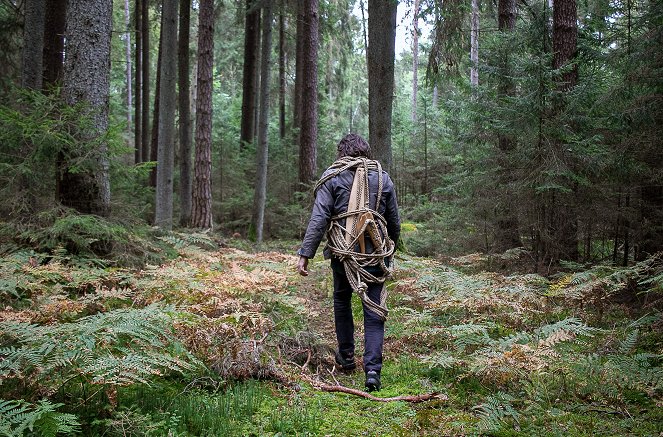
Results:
353 145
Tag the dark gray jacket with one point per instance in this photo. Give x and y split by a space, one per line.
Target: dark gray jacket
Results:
332 199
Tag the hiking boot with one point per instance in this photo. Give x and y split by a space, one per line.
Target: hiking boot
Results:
372 381
347 364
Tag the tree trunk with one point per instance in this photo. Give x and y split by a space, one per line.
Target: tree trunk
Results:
250 74
154 134
33 44
507 233
138 69
127 26
260 196
163 216
53 55
309 107
145 129
381 51
474 45
565 35
415 59
184 111
87 80
282 62
202 192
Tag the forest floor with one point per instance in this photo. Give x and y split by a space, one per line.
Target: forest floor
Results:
223 341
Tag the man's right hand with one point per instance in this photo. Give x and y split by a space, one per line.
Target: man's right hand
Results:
302 266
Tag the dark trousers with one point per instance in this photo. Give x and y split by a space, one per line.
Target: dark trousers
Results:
345 328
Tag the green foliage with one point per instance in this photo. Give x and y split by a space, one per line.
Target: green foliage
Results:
121 347
42 418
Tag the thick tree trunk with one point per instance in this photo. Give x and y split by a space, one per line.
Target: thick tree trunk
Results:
309 107
507 233
260 196
415 59
33 44
127 48
184 111
145 129
381 51
282 62
202 191
565 34
54 28
138 81
87 80
163 216
474 45
250 73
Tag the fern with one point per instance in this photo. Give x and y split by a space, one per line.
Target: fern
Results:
496 411
18 417
443 359
119 347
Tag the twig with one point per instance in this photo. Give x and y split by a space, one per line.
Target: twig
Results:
308 360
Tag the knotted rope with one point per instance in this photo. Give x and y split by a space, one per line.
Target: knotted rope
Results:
361 221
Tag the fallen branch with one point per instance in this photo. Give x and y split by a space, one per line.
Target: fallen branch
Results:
410 398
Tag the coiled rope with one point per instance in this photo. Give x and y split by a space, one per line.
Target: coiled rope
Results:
348 243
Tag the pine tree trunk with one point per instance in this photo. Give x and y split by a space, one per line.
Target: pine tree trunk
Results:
53 55
202 184
87 79
33 44
138 81
154 134
145 129
184 111
565 37
250 73
163 216
260 196
127 48
415 59
309 106
474 45
381 51
282 62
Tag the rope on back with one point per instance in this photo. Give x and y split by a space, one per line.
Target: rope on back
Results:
348 243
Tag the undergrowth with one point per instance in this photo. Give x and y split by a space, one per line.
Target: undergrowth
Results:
214 341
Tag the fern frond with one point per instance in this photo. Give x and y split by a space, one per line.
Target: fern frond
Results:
19 417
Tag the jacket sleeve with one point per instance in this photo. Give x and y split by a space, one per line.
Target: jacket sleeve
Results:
391 212
319 221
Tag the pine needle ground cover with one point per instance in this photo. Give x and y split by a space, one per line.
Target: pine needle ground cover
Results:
222 341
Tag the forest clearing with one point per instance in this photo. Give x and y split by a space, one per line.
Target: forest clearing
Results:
175 175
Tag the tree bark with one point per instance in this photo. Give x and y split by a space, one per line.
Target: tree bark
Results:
282 62
250 73
184 111
163 216
474 45
145 129
565 37
381 51
33 44
127 26
87 80
202 192
54 29
138 84
260 196
309 106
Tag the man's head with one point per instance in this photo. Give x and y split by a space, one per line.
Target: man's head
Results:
353 145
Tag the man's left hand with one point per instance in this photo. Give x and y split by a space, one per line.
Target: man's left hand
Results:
302 266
